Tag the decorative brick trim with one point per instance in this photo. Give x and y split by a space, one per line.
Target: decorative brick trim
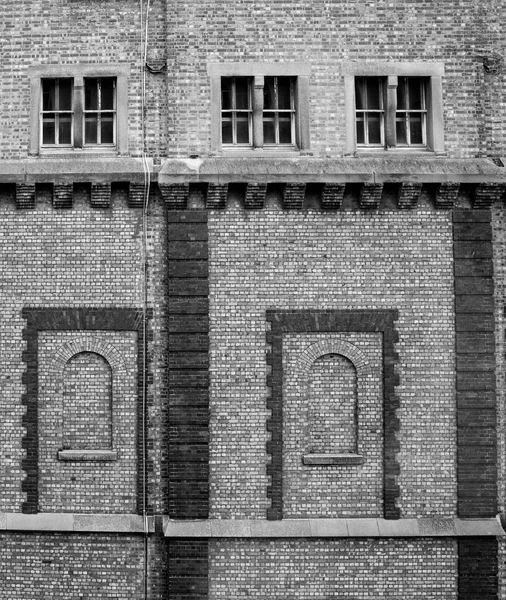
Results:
446 194
408 194
485 194
25 195
342 347
175 195
188 569
188 360
63 195
75 346
100 195
74 319
293 195
216 195
332 195
370 195
136 195
478 569
475 355
301 321
255 195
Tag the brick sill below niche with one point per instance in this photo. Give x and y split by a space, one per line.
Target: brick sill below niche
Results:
87 455
333 459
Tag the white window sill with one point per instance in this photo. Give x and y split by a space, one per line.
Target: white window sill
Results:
333 459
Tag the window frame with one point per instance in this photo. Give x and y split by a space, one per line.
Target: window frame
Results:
256 73
390 73
78 73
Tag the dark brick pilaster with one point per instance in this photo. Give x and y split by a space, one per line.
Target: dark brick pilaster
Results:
188 569
290 321
188 365
477 569
475 355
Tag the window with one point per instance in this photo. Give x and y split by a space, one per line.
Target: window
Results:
259 106
393 106
79 107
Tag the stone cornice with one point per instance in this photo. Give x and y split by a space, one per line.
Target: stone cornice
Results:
249 528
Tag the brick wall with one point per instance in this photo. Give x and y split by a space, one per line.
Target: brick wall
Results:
365 569
301 260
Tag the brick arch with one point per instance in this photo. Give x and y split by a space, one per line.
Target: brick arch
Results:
342 347
95 345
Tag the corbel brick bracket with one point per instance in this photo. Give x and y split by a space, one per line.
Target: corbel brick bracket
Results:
408 194
63 195
311 321
255 195
25 195
175 195
216 195
100 195
475 354
370 195
75 319
332 195
293 195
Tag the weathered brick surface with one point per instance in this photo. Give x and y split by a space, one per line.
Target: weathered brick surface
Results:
402 569
276 259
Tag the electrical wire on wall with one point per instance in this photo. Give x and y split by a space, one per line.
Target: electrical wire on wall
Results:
144 24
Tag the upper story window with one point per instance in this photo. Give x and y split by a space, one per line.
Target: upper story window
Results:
407 110
79 107
259 106
393 106
61 112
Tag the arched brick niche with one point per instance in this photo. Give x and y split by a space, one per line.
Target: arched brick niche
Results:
337 483
335 374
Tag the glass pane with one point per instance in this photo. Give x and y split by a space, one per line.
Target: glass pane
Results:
415 93
65 94
373 92
226 131
285 130
401 93
415 130
241 92
269 136
107 129
107 85
242 130
90 129
269 97
360 132
91 94
226 93
65 130
48 129
374 123
360 95
48 94
400 129
284 93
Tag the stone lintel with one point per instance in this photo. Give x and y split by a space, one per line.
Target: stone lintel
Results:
87 455
333 459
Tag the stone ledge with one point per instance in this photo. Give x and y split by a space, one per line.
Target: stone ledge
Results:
87 455
333 528
333 459
78 523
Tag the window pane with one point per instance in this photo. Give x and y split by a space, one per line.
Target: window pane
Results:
360 96
48 94
373 92
242 130
91 94
65 130
107 85
226 93
415 93
360 132
401 93
285 130
269 97
241 92
65 94
284 93
48 129
107 129
374 125
226 131
415 130
269 136
400 127
90 129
